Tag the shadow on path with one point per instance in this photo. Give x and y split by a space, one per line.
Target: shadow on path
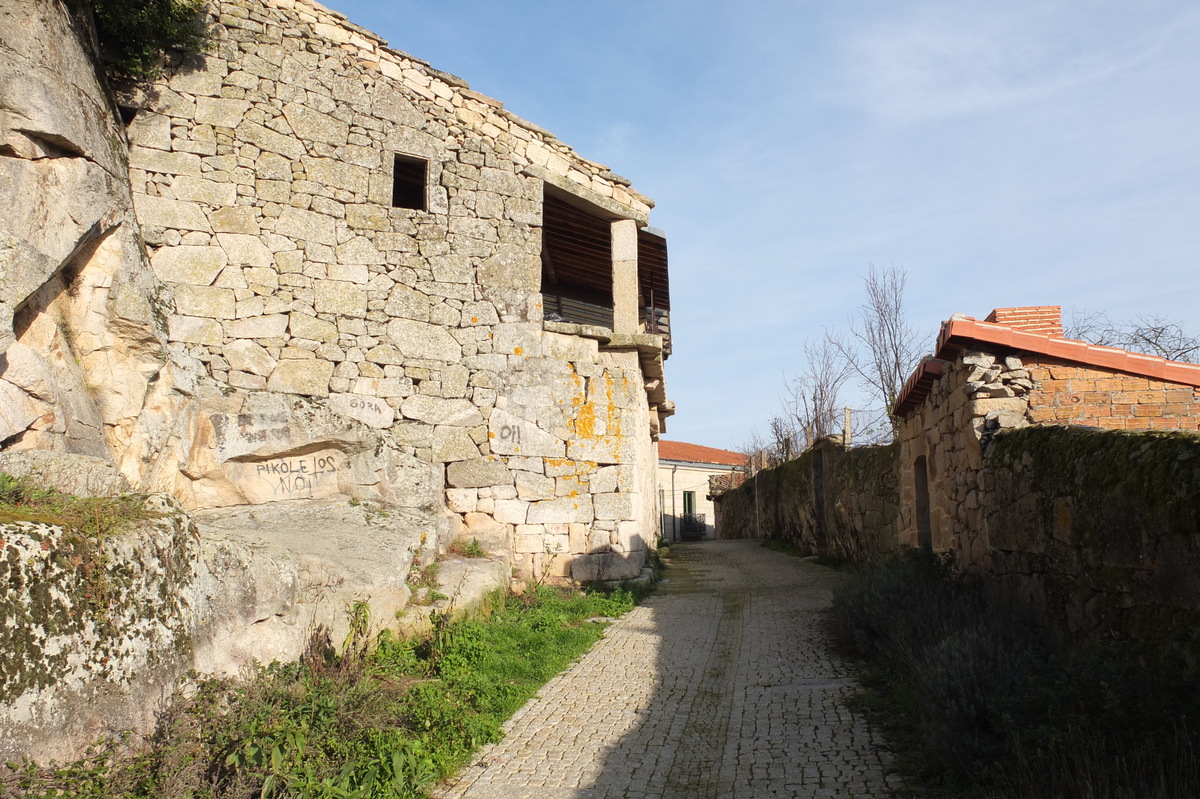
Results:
721 685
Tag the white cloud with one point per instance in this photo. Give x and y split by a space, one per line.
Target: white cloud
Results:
948 60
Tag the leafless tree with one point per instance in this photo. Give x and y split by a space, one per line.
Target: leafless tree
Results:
785 443
814 396
1152 335
779 446
881 348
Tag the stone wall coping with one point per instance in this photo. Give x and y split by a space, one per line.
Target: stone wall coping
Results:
959 334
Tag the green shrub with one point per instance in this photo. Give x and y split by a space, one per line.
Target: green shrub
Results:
134 33
985 702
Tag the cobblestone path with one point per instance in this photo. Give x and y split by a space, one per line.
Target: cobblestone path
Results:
721 685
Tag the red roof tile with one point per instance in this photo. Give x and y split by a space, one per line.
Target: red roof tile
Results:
963 332
694 453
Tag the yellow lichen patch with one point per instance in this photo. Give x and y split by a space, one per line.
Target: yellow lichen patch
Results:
585 420
491 434
518 350
474 320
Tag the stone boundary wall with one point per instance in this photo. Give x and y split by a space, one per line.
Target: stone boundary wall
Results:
1097 530
837 503
980 394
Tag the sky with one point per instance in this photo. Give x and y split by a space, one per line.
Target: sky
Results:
1031 152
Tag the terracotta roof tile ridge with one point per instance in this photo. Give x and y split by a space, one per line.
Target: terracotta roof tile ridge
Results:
966 328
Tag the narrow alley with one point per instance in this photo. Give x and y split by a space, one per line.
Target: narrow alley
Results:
723 684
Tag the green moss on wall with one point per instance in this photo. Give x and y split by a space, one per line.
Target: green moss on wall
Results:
77 607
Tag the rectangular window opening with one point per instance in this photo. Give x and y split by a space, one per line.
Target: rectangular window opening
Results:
408 182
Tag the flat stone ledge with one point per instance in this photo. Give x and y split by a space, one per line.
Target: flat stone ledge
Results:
601 334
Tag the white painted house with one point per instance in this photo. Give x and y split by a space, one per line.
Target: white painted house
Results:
683 478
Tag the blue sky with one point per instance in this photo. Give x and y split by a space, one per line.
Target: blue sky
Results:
1021 153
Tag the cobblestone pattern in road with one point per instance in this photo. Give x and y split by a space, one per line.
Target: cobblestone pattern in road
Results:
721 685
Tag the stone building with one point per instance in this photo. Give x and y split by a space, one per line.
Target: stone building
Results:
339 306
1012 370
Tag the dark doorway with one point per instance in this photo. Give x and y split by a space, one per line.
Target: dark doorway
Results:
921 481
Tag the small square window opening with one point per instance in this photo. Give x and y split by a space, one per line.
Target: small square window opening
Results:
408 182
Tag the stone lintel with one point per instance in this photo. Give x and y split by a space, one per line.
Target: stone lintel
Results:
590 201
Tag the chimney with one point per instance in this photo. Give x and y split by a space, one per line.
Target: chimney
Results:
1044 320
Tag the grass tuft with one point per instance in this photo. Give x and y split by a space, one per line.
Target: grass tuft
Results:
22 500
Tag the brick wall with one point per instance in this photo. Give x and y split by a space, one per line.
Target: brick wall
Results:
1082 395
1045 320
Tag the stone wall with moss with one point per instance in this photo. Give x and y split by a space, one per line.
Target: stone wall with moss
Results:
90 628
833 502
1099 530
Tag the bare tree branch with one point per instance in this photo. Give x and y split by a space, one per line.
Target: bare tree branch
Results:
882 347
1152 335
814 396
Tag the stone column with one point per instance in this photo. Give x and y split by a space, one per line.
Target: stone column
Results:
626 313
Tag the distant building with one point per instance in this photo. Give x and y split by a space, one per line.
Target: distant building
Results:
683 487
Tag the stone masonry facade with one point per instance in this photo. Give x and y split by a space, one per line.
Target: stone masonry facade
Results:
1010 371
263 180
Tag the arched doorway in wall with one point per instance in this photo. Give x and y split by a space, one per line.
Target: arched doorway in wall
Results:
921 484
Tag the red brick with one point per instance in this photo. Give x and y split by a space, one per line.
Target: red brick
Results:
1164 423
1139 424
1150 397
1179 395
1083 384
1131 398
1175 409
1111 384
1064 372
1147 410
1110 423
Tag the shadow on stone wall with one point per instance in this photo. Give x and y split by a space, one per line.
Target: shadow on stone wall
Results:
837 503
1097 530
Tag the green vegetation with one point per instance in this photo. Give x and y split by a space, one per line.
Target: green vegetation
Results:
134 33
23 500
985 703
474 549
386 718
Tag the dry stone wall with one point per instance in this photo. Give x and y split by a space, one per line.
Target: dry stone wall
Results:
981 394
836 503
1097 530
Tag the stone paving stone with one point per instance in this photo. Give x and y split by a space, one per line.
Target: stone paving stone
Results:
721 685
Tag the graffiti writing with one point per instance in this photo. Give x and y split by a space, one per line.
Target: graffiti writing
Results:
298 476
511 433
